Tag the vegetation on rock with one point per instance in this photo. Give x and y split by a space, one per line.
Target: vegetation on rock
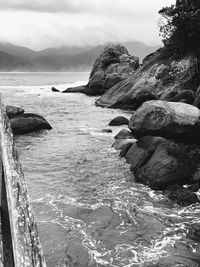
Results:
181 30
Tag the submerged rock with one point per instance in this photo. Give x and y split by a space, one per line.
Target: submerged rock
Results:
13 111
113 66
117 121
159 163
177 121
77 89
155 79
27 123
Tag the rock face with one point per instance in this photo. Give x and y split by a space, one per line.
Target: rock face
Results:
159 163
113 66
13 111
178 121
77 89
120 120
27 123
154 80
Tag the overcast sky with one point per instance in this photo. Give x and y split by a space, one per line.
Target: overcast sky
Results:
46 23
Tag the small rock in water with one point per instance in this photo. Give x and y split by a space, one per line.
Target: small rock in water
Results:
117 121
28 123
124 134
53 89
106 131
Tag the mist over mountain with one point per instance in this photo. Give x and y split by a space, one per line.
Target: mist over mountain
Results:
19 58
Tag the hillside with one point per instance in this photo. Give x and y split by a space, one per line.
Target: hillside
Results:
59 59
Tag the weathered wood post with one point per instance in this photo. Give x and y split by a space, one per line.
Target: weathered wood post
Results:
21 244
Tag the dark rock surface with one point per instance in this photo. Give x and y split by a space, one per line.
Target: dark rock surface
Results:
113 66
77 89
184 96
124 134
53 89
159 163
27 123
117 121
178 121
155 79
121 144
13 111
106 131
180 195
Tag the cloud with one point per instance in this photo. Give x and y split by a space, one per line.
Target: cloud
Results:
40 24
82 6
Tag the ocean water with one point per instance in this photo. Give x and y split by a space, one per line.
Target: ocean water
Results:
85 200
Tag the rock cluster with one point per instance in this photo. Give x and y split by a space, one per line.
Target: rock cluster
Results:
166 152
158 78
114 65
23 123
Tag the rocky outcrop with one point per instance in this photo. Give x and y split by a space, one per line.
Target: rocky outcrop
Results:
178 121
77 89
114 65
117 121
13 111
156 79
159 163
27 123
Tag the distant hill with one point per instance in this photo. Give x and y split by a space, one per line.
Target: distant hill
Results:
59 59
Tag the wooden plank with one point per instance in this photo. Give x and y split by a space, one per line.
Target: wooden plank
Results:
26 246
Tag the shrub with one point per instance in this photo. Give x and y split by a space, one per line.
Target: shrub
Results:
180 29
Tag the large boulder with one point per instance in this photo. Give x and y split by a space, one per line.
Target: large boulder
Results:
178 121
27 123
113 66
13 111
159 163
154 80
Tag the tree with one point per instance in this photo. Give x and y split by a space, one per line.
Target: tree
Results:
181 30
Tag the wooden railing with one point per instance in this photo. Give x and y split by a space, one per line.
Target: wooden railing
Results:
21 246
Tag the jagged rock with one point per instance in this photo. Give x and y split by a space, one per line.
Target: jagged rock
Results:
13 111
159 163
77 89
117 121
178 121
124 134
53 89
155 79
181 196
27 123
113 66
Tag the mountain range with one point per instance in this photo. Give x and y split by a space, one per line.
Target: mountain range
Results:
19 58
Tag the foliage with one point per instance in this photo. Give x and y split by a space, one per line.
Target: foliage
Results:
180 30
